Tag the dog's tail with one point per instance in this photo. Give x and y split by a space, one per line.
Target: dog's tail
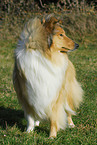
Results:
73 90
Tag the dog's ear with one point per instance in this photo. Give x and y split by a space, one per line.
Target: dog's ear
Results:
49 22
49 40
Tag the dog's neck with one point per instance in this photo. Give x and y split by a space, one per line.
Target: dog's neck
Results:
58 58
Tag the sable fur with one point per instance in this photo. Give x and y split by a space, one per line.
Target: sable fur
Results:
44 78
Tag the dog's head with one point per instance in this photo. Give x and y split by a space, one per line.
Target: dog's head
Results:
57 39
47 36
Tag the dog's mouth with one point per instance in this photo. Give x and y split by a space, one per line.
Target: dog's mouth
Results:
65 50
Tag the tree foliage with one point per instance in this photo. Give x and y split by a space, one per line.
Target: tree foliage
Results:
17 6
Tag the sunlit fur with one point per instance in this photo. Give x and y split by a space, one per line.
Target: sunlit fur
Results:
44 78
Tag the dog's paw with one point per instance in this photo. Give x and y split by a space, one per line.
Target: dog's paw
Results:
71 125
37 123
51 137
30 129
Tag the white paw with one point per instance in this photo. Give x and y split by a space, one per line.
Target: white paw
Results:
30 129
37 123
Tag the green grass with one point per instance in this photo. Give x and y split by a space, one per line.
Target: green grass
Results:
12 122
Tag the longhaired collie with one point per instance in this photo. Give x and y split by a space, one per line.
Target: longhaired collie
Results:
43 77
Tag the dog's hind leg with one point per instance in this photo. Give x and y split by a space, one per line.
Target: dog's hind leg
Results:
70 122
69 114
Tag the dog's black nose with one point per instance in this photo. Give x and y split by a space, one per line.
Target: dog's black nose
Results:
76 45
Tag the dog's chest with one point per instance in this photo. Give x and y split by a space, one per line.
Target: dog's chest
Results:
43 79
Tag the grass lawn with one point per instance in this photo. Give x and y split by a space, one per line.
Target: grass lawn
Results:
12 122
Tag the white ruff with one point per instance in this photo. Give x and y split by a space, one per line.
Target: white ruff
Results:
43 79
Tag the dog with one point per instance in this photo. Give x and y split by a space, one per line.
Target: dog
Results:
44 78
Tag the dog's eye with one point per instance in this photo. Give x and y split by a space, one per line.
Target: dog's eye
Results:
61 34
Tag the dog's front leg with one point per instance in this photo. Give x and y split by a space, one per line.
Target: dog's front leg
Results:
53 129
30 123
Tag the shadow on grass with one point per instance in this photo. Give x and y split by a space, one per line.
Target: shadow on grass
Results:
11 117
42 130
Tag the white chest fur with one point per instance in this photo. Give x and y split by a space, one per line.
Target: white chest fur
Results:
43 79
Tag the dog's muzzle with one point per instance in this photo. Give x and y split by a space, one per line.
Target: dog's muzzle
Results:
75 47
